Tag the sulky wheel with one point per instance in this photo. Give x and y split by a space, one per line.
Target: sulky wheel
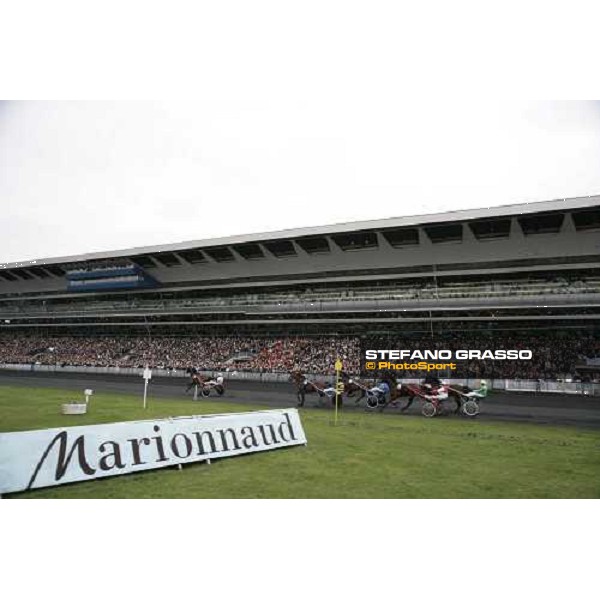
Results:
372 401
220 390
205 392
471 408
429 409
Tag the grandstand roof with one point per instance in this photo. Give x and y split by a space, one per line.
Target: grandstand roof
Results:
566 204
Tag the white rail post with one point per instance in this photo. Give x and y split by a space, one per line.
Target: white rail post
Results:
147 375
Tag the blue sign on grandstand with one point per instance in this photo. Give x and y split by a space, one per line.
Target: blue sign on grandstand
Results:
111 278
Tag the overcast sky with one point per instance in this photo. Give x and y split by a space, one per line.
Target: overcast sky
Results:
86 176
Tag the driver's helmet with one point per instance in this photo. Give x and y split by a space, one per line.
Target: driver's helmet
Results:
219 374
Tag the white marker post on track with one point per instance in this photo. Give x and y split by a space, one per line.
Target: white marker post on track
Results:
147 375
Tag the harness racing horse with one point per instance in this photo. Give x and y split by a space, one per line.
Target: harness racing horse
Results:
397 391
412 391
304 386
335 392
429 393
352 385
197 379
348 387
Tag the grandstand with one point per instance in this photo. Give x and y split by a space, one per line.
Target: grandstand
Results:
525 269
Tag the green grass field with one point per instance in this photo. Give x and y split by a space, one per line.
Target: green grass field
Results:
364 456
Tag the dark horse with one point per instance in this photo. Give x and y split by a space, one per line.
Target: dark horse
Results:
397 391
197 379
352 385
303 386
412 391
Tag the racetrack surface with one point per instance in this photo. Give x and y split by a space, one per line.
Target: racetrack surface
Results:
554 409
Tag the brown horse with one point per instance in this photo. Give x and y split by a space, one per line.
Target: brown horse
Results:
349 386
304 386
397 391
352 385
197 379
412 391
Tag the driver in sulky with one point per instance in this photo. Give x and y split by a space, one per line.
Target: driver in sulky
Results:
433 386
218 380
382 389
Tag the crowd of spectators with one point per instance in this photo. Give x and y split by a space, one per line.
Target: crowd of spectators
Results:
259 354
556 355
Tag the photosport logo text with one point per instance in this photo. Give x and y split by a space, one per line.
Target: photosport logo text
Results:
450 362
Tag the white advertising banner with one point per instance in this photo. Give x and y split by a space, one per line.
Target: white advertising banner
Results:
47 457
